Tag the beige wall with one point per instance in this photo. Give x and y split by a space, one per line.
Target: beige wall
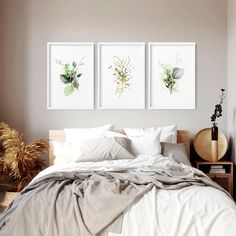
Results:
27 25
232 75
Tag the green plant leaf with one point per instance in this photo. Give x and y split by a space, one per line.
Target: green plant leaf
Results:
177 73
74 64
79 75
75 83
65 79
69 90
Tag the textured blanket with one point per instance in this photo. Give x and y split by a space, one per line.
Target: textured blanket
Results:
89 203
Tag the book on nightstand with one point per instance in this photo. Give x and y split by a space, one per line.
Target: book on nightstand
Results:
217 169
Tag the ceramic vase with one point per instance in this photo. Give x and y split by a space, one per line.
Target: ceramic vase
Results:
214 143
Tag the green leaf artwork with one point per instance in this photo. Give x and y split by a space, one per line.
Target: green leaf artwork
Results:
122 71
170 76
70 77
69 90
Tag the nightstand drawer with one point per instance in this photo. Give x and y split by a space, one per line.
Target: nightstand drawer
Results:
225 180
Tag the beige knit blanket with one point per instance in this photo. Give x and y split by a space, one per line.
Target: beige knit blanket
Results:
88 203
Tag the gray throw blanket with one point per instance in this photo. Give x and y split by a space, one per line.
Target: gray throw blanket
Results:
88 203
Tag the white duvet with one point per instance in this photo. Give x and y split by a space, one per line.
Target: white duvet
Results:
193 211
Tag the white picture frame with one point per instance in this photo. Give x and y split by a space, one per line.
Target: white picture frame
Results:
171 75
113 91
70 92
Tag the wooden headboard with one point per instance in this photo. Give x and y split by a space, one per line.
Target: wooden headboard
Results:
182 137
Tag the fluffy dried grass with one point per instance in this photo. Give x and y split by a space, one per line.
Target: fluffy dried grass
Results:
19 161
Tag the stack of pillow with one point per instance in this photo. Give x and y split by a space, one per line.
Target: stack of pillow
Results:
103 143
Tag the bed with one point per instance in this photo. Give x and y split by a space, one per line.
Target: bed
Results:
148 195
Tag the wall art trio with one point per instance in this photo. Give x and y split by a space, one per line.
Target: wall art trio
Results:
121 75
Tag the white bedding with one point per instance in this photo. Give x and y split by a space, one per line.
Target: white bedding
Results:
194 211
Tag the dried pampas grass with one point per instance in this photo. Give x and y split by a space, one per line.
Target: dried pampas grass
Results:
19 161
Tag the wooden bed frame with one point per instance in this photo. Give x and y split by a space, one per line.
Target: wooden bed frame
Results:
182 137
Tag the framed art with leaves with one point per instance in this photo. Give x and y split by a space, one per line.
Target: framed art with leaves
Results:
121 75
171 76
70 74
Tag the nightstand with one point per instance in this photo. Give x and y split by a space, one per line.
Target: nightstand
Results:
225 180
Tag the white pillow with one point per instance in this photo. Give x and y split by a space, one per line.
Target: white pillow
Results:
147 144
62 151
77 134
138 131
112 148
168 137
175 151
114 134
168 133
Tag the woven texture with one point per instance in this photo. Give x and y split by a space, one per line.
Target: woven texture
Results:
91 203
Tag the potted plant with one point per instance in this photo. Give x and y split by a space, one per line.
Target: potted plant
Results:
18 161
214 130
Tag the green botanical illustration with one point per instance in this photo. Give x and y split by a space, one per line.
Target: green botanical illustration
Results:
122 72
170 76
70 77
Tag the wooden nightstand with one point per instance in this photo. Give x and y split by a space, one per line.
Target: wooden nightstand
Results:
225 180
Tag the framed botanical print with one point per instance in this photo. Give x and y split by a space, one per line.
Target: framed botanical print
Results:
121 75
70 75
171 76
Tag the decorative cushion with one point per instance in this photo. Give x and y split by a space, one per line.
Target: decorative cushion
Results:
147 144
175 151
168 133
77 134
108 148
62 151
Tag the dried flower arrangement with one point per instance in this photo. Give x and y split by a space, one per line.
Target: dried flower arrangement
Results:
218 108
19 161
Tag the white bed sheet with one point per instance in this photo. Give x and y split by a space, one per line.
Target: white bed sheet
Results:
191 211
